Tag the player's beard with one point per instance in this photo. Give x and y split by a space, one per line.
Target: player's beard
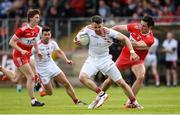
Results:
46 41
98 32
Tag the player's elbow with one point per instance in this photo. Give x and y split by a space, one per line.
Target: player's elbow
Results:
10 42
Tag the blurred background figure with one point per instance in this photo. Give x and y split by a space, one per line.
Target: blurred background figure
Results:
170 46
151 63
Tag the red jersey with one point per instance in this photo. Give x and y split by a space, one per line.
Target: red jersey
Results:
135 35
25 40
26 37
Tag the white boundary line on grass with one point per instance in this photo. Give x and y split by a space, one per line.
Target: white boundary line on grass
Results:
94 114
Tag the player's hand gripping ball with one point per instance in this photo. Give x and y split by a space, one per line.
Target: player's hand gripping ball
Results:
83 38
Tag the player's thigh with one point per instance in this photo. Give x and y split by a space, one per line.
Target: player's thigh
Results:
139 70
32 64
88 70
114 74
26 70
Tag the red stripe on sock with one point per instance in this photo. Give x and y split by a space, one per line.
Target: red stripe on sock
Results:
98 90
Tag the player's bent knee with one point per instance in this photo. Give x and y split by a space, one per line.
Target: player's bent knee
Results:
141 78
121 82
82 77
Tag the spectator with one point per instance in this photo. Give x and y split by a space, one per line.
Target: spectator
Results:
130 8
67 11
53 10
170 46
116 9
104 10
90 8
167 15
78 6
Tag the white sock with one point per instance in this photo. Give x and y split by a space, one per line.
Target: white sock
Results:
33 100
19 86
101 93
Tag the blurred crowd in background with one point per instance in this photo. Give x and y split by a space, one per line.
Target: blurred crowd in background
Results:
87 8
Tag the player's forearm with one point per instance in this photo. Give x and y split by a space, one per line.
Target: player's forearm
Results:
146 48
13 44
36 47
129 45
61 54
139 45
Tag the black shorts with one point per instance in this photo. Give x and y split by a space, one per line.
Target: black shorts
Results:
171 64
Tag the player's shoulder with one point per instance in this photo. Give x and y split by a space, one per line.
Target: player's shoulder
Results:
134 25
52 41
38 26
89 27
39 42
24 27
150 35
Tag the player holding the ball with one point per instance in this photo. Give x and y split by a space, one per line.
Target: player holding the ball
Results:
99 40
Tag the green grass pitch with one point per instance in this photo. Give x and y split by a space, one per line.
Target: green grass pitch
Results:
155 101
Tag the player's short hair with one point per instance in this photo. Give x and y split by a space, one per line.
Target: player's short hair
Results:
149 20
97 19
32 12
46 29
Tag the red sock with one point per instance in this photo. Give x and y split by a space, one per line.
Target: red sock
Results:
98 90
132 99
75 100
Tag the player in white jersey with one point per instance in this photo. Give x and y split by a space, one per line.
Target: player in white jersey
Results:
99 59
46 67
151 61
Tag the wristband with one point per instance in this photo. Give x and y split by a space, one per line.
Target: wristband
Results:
132 51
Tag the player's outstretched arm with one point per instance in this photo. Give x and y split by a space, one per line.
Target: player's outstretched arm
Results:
37 50
61 53
122 37
141 45
120 28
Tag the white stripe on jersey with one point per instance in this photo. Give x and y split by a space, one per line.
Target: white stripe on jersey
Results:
27 41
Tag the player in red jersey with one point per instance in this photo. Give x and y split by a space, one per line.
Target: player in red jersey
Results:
22 41
141 38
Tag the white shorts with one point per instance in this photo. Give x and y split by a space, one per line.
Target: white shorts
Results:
46 73
150 59
104 64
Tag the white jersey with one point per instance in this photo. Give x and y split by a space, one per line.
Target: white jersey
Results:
98 45
46 67
172 44
99 58
46 50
